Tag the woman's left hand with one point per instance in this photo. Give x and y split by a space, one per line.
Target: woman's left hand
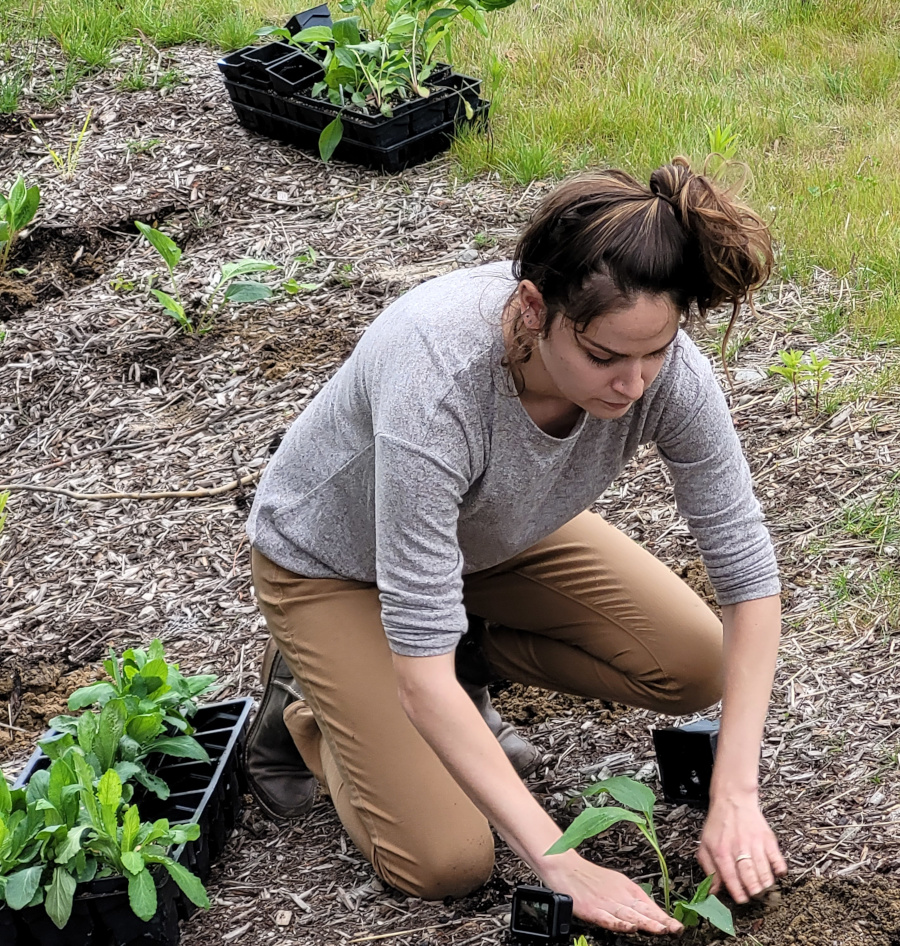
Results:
739 847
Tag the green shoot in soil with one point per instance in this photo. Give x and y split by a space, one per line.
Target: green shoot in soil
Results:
232 290
639 801
17 210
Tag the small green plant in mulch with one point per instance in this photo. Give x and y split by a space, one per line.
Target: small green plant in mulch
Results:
797 366
74 821
638 802
17 210
232 289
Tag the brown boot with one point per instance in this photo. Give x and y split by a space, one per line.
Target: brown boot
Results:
278 777
474 674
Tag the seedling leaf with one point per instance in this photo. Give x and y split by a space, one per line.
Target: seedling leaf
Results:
190 884
166 247
95 693
60 893
22 886
184 747
142 894
247 292
245 266
590 823
626 791
716 912
330 138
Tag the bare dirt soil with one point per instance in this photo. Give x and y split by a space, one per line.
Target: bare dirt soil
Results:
100 396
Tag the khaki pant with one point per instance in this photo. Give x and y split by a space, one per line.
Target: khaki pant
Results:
585 611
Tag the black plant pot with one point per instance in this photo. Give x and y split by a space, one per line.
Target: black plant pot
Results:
685 756
315 16
295 73
210 794
259 59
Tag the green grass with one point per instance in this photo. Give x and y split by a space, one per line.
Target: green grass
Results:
90 31
810 89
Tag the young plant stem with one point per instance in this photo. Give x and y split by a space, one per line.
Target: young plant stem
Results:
650 834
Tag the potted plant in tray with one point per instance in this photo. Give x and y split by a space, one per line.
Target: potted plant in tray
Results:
109 832
371 78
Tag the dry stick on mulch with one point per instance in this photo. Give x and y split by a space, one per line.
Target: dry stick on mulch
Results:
159 494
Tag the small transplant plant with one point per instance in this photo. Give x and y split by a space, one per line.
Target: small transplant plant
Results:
17 210
232 289
639 801
62 830
797 366
374 60
144 710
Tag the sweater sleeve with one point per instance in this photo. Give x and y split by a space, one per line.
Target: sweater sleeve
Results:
713 489
418 560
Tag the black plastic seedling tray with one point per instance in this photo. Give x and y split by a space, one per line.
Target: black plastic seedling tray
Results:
208 793
409 152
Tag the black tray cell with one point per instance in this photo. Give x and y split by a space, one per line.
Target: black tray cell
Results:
9 935
259 58
463 89
122 928
233 66
291 75
315 16
36 925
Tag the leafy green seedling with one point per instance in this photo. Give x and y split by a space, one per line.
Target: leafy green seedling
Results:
17 210
64 828
793 368
232 290
292 287
4 499
639 802
144 710
817 369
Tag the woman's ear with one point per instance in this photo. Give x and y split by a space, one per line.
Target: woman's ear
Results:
531 305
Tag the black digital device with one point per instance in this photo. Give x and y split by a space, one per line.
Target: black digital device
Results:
540 916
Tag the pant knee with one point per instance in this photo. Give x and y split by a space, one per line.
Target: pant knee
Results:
448 868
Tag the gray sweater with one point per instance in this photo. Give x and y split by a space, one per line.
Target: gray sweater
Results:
416 464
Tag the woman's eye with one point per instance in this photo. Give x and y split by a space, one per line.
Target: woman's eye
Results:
596 360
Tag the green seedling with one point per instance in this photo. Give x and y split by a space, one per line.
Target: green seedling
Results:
4 497
639 802
292 287
793 368
144 709
68 164
817 369
64 828
232 289
17 210
142 145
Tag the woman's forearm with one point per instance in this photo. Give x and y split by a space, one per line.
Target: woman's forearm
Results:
752 633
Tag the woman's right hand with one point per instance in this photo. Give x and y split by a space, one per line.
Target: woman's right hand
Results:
606 897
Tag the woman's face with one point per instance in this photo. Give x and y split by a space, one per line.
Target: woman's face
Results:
606 367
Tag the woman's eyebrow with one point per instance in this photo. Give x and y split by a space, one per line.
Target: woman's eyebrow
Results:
619 354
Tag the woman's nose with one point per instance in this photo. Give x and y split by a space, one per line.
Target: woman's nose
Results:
629 382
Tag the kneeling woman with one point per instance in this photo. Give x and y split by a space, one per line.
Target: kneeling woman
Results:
442 476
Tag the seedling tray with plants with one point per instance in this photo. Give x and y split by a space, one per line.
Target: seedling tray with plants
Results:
161 811
362 89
